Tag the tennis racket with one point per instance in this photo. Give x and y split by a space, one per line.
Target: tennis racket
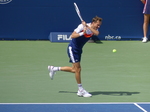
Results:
78 11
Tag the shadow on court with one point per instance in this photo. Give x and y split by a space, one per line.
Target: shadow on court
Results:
112 93
120 93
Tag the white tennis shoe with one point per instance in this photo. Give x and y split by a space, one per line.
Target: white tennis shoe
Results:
145 39
51 72
83 93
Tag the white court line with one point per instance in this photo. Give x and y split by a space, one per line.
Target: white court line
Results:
79 103
140 107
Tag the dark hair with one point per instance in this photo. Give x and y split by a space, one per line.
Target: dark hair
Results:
96 18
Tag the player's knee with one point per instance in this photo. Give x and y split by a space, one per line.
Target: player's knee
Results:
78 69
73 70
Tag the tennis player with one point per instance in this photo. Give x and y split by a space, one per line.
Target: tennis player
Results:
80 36
146 12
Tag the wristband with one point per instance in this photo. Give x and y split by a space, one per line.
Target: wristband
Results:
81 33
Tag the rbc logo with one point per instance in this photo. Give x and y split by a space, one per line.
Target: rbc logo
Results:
113 37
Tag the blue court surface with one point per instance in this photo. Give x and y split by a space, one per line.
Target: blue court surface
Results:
75 107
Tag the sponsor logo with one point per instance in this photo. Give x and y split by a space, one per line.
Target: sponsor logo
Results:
63 37
5 1
109 37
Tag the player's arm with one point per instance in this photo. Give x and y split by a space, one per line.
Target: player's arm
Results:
95 32
80 28
75 35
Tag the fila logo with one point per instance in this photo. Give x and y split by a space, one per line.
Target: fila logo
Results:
63 37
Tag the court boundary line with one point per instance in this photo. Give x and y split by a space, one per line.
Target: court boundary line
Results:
140 107
76 103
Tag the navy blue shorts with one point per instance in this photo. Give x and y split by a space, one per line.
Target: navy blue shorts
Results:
74 55
146 9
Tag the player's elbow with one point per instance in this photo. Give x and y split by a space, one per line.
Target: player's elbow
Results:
97 33
72 36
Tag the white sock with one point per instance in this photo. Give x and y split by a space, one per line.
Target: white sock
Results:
56 68
80 86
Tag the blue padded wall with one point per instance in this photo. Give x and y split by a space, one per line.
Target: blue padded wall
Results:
35 19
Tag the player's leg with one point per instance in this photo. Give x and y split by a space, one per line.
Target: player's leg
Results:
74 69
67 69
81 91
146 23
77 70
53 70
145 27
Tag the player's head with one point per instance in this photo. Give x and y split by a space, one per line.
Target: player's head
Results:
96 22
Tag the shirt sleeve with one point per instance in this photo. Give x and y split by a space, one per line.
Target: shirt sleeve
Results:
79 28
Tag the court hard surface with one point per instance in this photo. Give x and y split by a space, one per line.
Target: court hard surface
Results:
111 77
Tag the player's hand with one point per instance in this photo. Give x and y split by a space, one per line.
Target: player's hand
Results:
84 23
84 30
143 1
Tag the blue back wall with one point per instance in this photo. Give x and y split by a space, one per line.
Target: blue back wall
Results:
35 19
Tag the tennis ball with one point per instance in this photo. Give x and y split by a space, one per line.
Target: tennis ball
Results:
114 50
